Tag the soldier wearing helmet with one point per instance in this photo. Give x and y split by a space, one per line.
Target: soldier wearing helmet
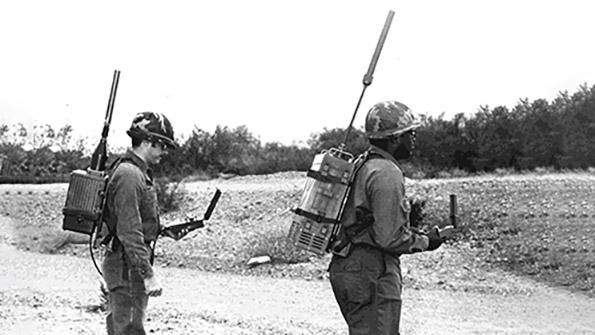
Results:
131 215
365 271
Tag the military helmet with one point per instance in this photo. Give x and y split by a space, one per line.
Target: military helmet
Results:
153 127
389 118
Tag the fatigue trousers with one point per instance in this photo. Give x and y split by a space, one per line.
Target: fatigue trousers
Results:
367 286
127 298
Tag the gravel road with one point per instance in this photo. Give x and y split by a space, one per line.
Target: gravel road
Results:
52 294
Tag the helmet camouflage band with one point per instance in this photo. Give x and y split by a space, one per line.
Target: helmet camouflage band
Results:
153 127
388 119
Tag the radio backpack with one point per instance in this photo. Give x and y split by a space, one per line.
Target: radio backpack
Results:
318 216
85 198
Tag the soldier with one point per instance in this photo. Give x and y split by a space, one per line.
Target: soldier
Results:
131 215
365 271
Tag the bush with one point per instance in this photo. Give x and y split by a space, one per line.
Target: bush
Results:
169 194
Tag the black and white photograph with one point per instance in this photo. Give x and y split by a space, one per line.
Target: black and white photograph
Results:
297 167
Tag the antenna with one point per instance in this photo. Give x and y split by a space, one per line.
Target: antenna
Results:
370 74
100 154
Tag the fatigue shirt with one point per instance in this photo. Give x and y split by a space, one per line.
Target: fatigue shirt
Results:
132 209
379 187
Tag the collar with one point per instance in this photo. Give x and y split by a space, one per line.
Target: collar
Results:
382 153
137 160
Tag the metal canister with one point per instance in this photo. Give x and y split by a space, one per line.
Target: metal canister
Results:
323 200
84 201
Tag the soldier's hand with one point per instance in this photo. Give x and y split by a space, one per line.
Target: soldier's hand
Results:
446 232
435 239
153 287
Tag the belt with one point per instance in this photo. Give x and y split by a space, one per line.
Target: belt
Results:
117 245
366 246
348 250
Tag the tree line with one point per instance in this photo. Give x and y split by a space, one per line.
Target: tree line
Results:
559 134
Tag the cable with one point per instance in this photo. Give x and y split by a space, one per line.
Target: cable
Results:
91 251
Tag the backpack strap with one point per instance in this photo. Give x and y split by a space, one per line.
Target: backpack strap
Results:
364 217
111 231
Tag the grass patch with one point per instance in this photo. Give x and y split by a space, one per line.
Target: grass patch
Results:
537 225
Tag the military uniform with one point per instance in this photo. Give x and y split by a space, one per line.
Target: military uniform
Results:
132 210
367 282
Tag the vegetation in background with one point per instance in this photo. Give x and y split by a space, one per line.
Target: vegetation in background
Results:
534 134
558 134
40 154
169 194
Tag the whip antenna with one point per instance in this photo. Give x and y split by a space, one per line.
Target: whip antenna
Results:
370 74
100 154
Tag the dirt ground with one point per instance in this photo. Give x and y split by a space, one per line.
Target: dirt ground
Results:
55 294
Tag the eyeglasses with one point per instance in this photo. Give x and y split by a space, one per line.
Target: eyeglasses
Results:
159 145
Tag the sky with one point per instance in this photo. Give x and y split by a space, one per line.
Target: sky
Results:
284 69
